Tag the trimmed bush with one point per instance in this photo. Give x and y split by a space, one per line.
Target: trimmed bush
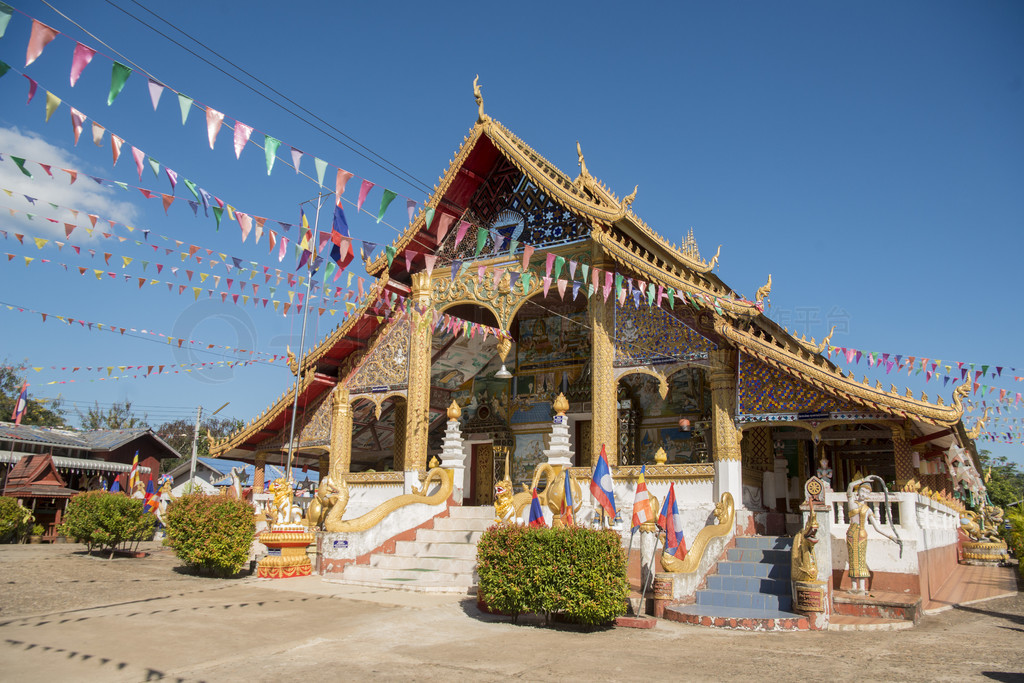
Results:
575 572
211 534
15 520
105 520
1015 537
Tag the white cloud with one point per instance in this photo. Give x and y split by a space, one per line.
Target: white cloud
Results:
84 195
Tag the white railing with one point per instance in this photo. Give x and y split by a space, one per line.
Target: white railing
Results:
912 514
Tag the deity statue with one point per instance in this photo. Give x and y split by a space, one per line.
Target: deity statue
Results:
860 514
281 510
803 564
825 472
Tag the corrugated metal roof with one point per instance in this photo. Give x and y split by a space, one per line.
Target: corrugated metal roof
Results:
77 463
89 440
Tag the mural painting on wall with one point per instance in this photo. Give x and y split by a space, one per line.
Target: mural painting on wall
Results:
552 341
528 454
461 361
678 444
684 394
651 335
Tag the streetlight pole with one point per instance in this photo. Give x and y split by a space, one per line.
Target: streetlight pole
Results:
195 444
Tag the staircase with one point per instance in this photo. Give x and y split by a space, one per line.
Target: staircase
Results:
750 591
441 560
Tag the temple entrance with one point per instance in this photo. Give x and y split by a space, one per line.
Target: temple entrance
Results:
481 474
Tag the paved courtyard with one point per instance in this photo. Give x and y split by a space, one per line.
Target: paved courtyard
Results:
68 616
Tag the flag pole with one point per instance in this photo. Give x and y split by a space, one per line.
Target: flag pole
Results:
302 339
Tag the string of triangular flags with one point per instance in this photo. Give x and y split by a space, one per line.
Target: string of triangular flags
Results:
159 369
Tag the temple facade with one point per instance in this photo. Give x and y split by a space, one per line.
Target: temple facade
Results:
519 283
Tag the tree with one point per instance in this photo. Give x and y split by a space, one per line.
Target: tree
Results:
178 434
37 412
117 416
1006 485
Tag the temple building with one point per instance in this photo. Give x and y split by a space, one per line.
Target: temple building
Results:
519 283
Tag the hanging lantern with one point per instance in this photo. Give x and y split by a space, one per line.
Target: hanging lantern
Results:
684 424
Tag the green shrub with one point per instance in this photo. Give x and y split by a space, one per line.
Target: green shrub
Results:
106 520
1015 537
211 534
15 520
575 572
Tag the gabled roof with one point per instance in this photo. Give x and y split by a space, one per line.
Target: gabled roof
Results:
36 476
96 440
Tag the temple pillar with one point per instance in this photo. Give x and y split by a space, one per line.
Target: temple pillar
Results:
398 444
604 389
341 433
903 456
725 437
259 474
417 419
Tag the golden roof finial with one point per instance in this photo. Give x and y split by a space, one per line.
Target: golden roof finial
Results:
479 97
714 259
454 411
628 200
433 463
561 405
763 292
583 163
661 457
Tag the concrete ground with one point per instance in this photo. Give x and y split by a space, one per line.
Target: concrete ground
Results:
68 616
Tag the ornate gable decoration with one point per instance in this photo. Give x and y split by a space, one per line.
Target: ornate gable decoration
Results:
649 335
385 366
763 390
501 297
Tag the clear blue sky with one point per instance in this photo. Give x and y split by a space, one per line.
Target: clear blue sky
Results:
869 155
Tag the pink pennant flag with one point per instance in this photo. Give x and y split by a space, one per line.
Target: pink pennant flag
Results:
547 285
410 255
607 284
77 121
259 228
561 288
172 177
339 187
83 55
283 249
40 38
480 273
364 189
140 158
155 91
461 232
97 134
242 133
430 260
444 223
245 223
213 121
498 274
72 177
549 261
32 85
115 148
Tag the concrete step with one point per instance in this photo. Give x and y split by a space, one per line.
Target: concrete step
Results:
765 542
471 512
748 584
845 622
363 572
443 564
442 536
733 617
755 601
466 551
760 570
463 523
758 555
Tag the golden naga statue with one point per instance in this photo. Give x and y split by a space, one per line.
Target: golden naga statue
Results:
714 260
329 503
479 97
725 514
762 292
803 565
334 523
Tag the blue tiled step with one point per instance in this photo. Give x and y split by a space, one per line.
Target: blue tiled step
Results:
765 542
758 601
758 555
760 570
734 612
745 584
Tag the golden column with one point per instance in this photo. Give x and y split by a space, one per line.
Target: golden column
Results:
259 468
724 435
399 413
417 418
903 455
341 432
603 387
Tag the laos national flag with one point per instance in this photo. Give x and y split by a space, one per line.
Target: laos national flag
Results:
567 501
672 522
536 516
642 511
20 405
601 485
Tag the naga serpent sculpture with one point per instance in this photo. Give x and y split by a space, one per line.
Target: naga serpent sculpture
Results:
334 523
330 502
725 512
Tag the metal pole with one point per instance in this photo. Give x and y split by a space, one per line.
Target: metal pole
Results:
195 444
302 340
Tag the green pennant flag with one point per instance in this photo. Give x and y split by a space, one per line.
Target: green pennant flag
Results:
331 267
21 164
191 186
590 290
52 102
618 284
391 251
512 246
4 68
118 76
584 269
123 186
650 293
155 165
5 17
559 264
185 103
385 200
672 298
481 239
270 146
217 213
321 168
429 218
525 279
